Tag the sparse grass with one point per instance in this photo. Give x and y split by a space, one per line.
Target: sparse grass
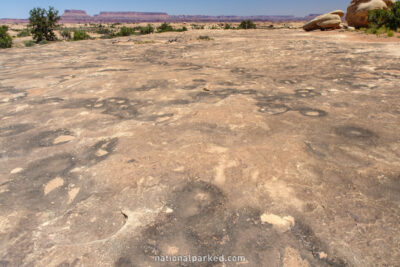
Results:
144 42
29 43
66 34
204 38
383 30
80 35
197 27
24 33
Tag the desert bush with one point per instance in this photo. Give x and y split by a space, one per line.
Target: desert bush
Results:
66 34
42 23
247 24
197 27
43 42
204 38
390 18
390 33
80 35
24 33
126 31
147 29
165 27
29 43
104 30
183 29
5 38
227 26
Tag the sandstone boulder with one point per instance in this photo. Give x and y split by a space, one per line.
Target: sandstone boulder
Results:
357 12
331 20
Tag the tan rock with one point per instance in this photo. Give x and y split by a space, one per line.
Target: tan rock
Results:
357 12
325 22
338 12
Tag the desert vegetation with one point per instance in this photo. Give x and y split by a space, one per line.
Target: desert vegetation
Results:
247 24
166 27
384 21
80 35
5 38
43 23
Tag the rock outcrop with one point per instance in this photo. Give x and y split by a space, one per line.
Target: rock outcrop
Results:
357 12
72 16
328 21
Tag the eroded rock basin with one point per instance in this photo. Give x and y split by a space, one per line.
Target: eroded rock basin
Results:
279 146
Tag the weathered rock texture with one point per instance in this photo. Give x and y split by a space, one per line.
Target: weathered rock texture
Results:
357 12
328 21
283 150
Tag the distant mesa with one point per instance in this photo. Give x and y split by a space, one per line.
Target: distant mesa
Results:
80 16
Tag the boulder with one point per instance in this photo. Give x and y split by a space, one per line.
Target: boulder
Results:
357 12
325 22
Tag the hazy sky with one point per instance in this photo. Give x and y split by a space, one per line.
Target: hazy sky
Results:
20 8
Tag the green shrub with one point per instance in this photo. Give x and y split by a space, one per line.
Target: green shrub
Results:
390 33
247 24
227 26
165 27
42 23
147 29
66 34
126 31
5 38
80 35
24 33
183 29
103 30
389 18
43 42
29 43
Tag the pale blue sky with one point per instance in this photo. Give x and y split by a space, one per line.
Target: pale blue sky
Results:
20 8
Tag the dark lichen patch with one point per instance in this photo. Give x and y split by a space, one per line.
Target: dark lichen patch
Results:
87 103
197 199
51 138
151 84
123 262
15 129
312 243
306 93
311 112
199 80
57 165
99 152
49 100
118 107
355 132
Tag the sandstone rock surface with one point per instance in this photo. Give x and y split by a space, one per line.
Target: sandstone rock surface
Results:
112 153
357 12
324 22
